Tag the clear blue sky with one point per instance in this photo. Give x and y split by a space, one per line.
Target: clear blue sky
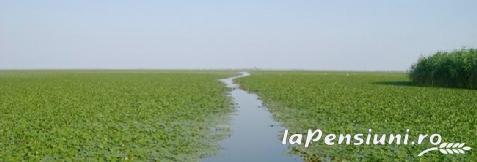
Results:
280 34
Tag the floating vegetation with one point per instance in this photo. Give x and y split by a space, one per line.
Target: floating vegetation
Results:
354 102
110 115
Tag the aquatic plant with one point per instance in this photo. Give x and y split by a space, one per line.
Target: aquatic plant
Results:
353 102
109 115
457 68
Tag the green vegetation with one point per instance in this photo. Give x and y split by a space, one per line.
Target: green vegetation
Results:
456 69
110 115
340 102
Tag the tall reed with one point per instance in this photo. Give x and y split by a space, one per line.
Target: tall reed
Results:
457 68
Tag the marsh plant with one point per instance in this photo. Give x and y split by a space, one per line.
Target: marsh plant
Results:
109 115
457 68
353 102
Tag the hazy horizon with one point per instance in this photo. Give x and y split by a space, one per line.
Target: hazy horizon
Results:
211 34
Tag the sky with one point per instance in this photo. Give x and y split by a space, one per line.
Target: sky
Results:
215 34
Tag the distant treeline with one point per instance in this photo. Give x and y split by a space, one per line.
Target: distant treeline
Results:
457 68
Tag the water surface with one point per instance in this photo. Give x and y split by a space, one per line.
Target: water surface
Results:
255 135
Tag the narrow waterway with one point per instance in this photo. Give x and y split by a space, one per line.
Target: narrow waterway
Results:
255 135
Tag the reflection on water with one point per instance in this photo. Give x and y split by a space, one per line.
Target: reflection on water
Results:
255 136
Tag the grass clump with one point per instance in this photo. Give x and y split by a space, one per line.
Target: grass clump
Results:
457 68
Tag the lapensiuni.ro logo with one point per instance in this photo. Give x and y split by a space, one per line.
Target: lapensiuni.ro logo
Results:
376 139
